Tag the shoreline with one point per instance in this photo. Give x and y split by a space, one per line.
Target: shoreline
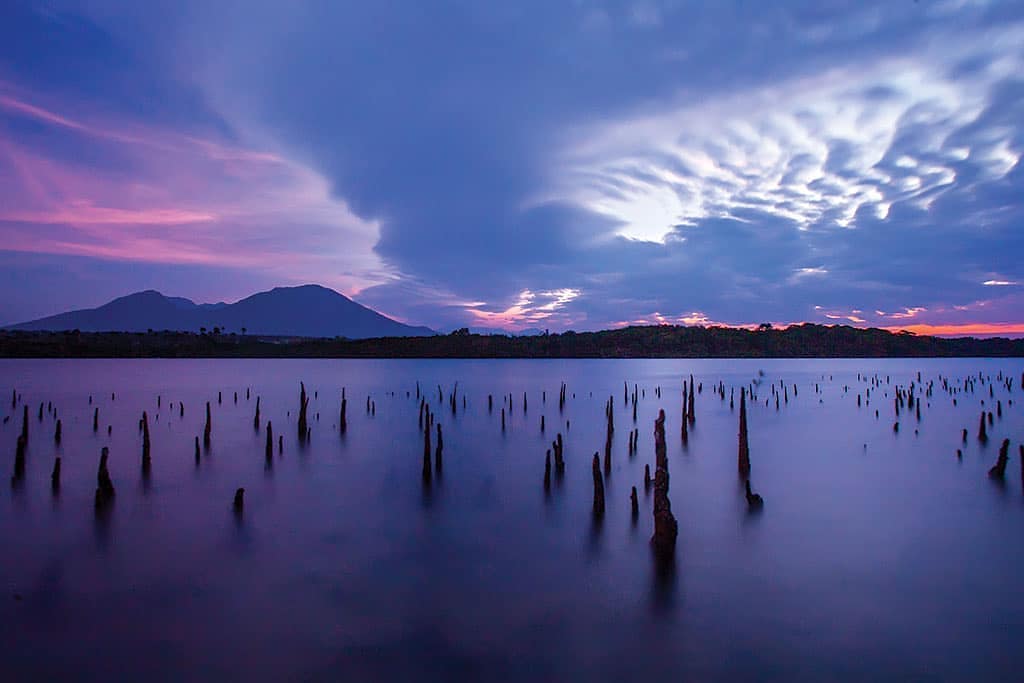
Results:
806 341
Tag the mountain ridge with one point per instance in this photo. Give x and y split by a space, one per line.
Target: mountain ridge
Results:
301 311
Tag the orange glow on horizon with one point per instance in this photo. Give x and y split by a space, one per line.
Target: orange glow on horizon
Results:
929 329
962 329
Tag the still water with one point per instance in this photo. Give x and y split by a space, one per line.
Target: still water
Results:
878 554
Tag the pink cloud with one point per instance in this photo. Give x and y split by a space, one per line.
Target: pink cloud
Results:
908 313
176 198
531 309
83 212
39 113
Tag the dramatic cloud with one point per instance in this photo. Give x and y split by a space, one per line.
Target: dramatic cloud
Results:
174 199
536 164
816 151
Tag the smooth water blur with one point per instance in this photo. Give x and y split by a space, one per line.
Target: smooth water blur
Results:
878 555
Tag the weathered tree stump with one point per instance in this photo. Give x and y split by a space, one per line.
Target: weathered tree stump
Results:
743 459
998 471
269 449
598 488
666 528
208 427
104 485
303 426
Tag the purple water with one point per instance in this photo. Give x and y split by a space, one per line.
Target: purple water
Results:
878 555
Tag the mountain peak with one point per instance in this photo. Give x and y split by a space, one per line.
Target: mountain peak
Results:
143 294
309 310
305 289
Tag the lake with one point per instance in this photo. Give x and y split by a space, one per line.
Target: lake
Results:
878 555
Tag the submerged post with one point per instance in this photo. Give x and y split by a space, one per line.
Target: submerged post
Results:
547 470
303 406
665 526
998 471
342 416
208 427
438 463
104 486
145 441
598 488
427 471
743 460
690 414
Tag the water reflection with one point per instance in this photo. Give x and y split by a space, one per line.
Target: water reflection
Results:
241 535
505 550
427 491
664 583
102 524
594 537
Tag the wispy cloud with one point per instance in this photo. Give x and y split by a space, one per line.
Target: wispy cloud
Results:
186 200
528 310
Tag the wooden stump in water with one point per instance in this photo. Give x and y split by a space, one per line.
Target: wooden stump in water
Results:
666 528
208 427
998 471
743 460
104 485
598 488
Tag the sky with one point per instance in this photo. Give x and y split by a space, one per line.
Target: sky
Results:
545 164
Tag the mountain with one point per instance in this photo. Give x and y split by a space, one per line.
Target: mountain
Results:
306 311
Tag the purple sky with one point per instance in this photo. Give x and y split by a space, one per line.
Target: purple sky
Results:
510 165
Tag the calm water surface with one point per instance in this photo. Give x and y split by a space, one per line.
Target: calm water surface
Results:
878 556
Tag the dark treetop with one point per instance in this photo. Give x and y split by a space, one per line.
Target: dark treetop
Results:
800 341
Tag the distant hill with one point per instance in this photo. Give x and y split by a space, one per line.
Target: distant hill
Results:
306 311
